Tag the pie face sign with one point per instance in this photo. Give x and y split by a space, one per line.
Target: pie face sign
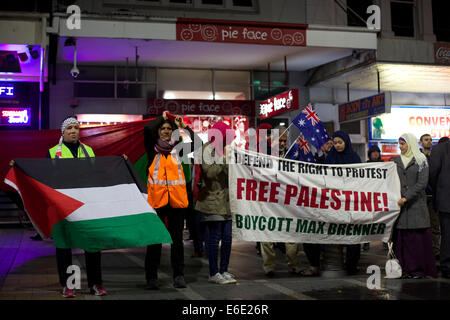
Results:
284 102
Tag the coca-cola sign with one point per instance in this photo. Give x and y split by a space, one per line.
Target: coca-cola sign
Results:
442 53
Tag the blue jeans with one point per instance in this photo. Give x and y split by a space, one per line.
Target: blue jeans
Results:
218 231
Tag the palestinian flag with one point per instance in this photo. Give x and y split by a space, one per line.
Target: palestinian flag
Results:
88 203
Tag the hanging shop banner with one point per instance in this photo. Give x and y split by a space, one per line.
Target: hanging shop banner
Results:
278 200
442 53
281 103
282 34
201 107
418 120
365 108
15 116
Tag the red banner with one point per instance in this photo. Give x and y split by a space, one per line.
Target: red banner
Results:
201 107
442 53
281 103
127 138
282 34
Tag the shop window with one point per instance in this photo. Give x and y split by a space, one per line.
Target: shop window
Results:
243 3
402 18
360 8
213 2
262 90
93 90
96 73
232 84
441 23
353 127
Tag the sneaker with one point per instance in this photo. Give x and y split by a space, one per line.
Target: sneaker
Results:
228 277
68 293
218 278
98 290
179 282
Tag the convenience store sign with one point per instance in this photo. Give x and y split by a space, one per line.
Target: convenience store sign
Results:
418 120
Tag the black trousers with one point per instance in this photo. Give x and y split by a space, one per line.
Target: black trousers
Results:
175 226
352 256
93 266
312 251
445 242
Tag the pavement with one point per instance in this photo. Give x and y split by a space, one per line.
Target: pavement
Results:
28 272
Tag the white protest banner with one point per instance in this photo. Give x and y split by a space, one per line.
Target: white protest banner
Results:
279 200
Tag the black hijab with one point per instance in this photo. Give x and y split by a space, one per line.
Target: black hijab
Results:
345 157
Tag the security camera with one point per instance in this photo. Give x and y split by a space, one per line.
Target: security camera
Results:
75 71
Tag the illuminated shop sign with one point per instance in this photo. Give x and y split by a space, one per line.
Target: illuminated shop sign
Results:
6 90
365 108
15 116
418 120
281 103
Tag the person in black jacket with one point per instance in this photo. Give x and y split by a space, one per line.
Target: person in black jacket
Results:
440 183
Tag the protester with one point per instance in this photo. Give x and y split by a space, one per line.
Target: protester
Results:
313 250
167 192
214 204
268 248
324 150
440 183
427 143
374 155
443 139
69 146
268 127
342 153
412 235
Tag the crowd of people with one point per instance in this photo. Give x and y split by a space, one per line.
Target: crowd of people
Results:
179 190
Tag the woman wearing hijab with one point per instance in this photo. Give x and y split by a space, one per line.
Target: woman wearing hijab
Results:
343 153
214 204
167 192
412 234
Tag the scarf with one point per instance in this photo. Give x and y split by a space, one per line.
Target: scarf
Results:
164 147
345 157
413 152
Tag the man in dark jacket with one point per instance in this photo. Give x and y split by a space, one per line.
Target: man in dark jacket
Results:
440 183
427 143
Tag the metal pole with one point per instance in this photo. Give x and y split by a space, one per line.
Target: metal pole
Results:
378 80
348 91
286 76
268 79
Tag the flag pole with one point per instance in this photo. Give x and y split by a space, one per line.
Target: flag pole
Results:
286 130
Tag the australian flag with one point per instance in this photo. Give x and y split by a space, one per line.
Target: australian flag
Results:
311 127
300 151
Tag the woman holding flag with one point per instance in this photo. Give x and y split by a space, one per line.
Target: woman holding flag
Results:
167 192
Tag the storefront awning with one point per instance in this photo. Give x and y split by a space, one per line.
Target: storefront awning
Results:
393 77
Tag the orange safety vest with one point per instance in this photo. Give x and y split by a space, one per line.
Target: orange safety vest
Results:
166 183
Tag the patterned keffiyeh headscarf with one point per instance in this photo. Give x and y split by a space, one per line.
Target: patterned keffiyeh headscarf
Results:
68 121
